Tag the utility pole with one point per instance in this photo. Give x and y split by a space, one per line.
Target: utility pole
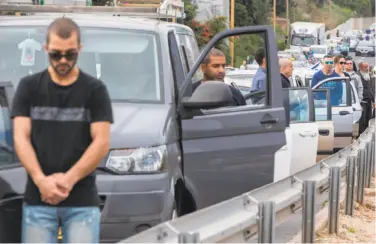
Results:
232 25
274 13
288 17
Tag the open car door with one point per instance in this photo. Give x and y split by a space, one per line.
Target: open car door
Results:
12 174
303 128
342 111
227 149
323 113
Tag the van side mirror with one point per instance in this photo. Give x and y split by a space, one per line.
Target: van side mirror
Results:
208 95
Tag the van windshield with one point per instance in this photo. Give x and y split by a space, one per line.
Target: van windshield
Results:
126 61
302 41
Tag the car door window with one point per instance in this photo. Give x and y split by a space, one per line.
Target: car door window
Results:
321 99
300 105
253 84
176 58
338 93
192 52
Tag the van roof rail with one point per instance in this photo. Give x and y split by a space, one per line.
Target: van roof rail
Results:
136 8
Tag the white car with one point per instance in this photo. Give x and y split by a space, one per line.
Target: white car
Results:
302 135
242 78
319 51
346 110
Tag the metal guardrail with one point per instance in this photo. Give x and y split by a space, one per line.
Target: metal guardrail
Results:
257 212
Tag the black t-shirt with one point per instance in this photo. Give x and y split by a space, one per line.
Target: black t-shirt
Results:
237 96
60 134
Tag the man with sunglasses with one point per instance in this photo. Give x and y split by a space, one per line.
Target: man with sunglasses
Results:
62 120
327 71
355 79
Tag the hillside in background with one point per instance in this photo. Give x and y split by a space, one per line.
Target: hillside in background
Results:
338 12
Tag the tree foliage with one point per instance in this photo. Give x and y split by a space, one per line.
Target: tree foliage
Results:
190 11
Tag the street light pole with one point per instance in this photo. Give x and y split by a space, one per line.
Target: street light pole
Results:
288 19
274 13
232 25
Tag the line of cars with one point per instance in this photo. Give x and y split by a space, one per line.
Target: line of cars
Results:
173 151
363 44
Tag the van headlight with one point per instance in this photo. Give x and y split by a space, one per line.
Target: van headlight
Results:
140 160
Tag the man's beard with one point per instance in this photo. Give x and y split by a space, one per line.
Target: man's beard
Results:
63 69
366 76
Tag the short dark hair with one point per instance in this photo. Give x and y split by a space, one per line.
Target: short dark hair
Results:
260 55
337 58
63 27
213 52
327 56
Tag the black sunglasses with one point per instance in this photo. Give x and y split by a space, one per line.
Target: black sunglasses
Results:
69 55
342 62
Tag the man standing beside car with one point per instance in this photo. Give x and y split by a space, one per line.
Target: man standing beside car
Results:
213 69
355 78
259 80
62 120
368 95
286 67
328 72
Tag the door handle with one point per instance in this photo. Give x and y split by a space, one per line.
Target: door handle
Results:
344 113
324 132
269 121
308 134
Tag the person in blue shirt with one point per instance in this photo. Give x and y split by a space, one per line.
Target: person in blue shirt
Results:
259 80
327 71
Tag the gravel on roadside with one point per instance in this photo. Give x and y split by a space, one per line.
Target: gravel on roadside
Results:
360 228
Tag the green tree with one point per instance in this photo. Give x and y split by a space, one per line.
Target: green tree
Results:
259 10
242 17
190 11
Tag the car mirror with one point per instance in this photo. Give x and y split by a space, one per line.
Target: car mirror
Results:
208 95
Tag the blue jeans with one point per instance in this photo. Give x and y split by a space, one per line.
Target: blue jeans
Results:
40 224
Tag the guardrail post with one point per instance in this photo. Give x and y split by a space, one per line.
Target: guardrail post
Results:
266 224
334 188
368 177
308 215
188 238
350 181
360 178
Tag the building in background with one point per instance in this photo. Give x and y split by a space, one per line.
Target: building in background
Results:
207 9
